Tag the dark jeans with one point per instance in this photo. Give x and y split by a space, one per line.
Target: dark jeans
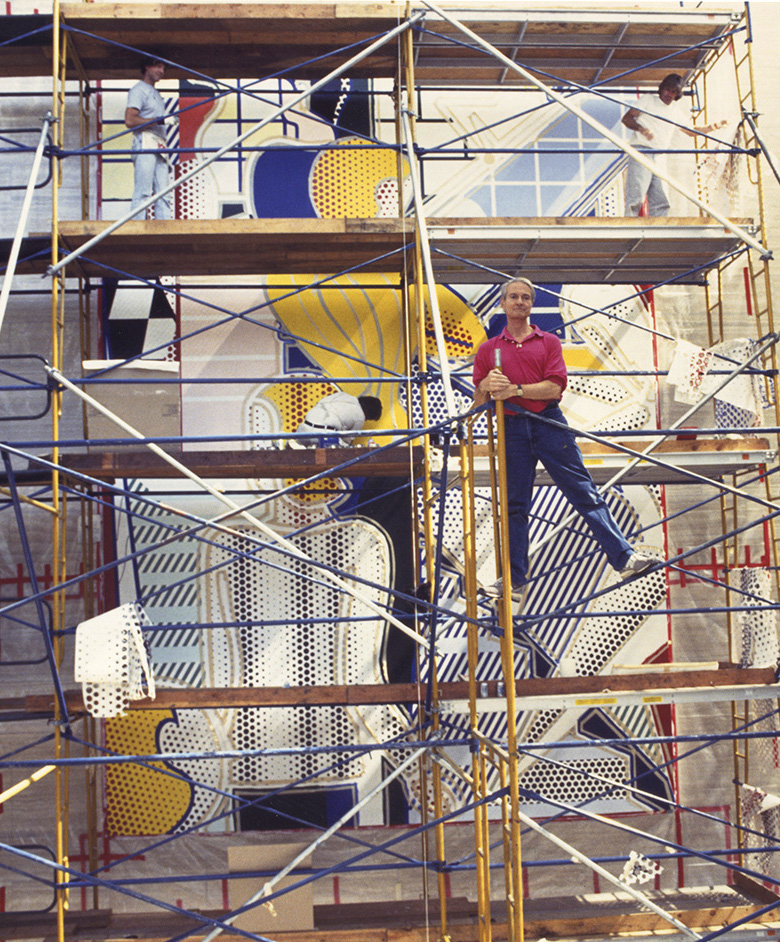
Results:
529 440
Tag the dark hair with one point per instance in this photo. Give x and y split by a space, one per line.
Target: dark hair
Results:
371 406
147 61
672 80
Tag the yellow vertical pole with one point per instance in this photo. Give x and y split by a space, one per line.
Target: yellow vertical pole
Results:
508 671
760 286
430 782
481 835
483 823
59 64
506 831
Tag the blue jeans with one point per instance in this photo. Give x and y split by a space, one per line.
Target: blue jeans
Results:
151 176
641 182
529 440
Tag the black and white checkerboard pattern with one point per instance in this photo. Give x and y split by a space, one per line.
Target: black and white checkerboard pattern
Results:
139 319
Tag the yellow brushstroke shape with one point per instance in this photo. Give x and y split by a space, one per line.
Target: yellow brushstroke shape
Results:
354 329
139 799
578 358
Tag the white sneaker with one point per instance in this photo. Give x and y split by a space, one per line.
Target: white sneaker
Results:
496 591
638 562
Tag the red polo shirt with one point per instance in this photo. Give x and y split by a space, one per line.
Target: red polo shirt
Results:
539 356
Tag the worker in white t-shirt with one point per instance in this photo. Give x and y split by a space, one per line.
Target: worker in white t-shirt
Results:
145 116
331 419
654 120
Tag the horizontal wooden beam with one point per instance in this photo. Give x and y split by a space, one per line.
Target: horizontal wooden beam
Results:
368 694
404 921
674 461
570 250
711 457
398 461
311 38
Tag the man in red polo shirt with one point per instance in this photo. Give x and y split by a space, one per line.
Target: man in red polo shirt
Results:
523 366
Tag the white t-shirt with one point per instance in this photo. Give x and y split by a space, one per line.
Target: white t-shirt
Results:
150 105
662 131
338 412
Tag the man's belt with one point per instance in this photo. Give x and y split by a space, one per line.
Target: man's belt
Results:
325 428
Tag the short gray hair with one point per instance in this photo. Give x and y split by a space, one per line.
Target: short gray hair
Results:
516 281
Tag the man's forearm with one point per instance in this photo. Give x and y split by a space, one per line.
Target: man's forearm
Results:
496 386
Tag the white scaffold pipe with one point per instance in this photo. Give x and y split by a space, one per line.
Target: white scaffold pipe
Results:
268 887
425 248
272 535
377 44
578 856
605 132
21 225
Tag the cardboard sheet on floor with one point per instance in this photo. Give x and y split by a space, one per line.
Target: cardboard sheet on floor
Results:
294 910
146 402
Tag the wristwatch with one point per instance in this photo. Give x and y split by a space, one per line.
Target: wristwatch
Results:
519 390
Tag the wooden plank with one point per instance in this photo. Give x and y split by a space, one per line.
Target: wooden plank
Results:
368 462
683 443
570 47
398 461
246 246
23 925
709 457
584 250
149 926
264 38
752 888
618 924
370 694
384 913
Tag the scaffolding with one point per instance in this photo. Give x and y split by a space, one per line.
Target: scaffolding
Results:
299 636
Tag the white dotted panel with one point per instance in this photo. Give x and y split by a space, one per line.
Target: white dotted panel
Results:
279 604
759 627
632 417
111 660
567 786
605 389
768 823
192 732
542 721
598 640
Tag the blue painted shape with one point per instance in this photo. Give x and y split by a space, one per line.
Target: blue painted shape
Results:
280 185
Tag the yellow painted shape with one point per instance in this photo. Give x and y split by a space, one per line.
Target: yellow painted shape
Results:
139 800
293 400
359 332
580 358
463 332
117 181
345 181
